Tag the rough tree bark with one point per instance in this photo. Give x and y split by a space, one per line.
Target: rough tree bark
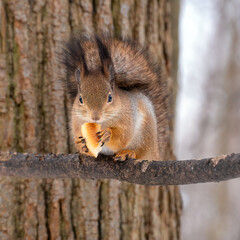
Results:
34 112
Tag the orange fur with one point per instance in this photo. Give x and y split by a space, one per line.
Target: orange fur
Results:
128 122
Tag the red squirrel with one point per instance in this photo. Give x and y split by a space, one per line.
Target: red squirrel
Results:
109 79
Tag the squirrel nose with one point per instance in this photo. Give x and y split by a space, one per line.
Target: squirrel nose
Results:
95 116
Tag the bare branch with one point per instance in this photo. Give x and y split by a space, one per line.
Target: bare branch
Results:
144 172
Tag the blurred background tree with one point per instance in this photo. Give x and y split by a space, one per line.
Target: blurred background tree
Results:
208 119
34 115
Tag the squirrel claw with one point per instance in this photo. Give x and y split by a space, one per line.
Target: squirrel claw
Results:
124 155
80 140
104 135
81 146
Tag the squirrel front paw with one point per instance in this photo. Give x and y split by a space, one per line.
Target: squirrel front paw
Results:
104 136
82 147
124 155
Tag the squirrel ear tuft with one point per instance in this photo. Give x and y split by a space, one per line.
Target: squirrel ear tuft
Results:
111 74
108 71
77 75
105 57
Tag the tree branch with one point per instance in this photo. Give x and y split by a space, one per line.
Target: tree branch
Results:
144 172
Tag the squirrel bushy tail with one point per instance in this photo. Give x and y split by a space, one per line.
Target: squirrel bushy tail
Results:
133 67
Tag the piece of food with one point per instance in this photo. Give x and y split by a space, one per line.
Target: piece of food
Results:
89 131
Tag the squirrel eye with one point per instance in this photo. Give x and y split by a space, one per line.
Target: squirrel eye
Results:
80 100
109 97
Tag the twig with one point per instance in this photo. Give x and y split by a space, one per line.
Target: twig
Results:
143 172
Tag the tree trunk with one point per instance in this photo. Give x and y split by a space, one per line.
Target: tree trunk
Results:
34 114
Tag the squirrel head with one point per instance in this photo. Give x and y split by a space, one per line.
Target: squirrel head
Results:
96 100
